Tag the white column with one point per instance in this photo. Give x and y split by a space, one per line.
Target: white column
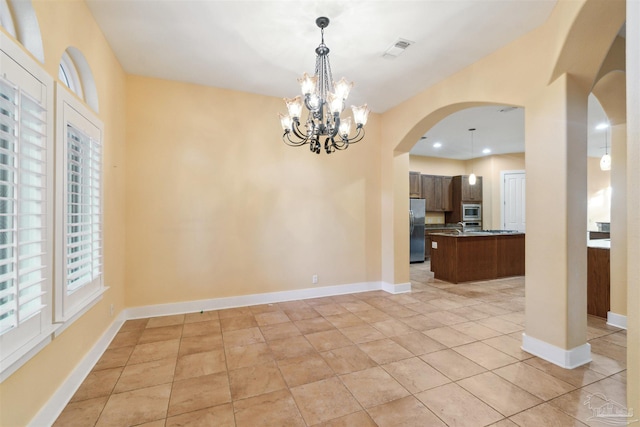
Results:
556 211
633 205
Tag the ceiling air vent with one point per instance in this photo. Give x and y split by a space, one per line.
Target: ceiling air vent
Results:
397 48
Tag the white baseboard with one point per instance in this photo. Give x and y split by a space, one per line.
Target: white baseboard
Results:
617 320
567 359
399 288
54 406
247 300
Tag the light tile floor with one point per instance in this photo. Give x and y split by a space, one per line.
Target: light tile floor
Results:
442 355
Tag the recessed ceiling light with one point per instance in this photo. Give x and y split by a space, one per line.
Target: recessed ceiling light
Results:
602 126
437 145
486 151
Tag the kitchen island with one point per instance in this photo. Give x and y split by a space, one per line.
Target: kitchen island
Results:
477 255
598 277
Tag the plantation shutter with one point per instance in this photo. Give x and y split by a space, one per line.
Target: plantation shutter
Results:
84 217
23 207
26 207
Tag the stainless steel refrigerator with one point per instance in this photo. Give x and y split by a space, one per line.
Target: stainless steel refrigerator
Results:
416 230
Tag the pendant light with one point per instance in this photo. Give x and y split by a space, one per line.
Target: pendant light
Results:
605 161
472 177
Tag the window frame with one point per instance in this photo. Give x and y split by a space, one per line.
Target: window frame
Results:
70 111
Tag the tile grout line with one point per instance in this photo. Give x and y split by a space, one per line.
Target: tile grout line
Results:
441 294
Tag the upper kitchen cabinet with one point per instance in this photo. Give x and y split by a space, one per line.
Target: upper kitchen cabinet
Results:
415 185
436 190
463 193
467 192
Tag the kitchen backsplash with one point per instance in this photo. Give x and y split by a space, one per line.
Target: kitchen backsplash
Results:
434 218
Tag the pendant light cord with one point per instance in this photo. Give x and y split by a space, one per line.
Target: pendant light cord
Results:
472 130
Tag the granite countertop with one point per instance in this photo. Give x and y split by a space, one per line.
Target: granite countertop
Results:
480 234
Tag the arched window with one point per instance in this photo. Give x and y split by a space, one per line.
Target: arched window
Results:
20 20
6 20
75 73
68 74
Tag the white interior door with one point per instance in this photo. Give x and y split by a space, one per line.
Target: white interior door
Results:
514 200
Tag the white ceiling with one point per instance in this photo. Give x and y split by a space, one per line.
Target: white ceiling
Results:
499 129
264 46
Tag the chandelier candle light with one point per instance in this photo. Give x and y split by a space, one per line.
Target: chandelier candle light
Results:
325 100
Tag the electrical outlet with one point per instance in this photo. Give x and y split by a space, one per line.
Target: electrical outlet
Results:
314 279
111 310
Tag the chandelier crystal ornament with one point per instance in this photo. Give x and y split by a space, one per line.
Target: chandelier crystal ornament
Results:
324 100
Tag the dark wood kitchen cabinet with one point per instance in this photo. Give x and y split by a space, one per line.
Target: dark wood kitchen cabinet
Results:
463 192
415 185
597 235
436 190
447 193
427 238
468 192
458 258
598 282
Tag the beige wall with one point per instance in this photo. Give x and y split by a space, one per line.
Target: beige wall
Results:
437 166
219 208
65 24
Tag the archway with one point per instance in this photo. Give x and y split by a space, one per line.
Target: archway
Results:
610 90
555 97
445 150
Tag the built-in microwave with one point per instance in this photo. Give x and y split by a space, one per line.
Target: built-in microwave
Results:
471 212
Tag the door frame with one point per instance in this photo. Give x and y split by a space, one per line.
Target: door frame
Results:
502 198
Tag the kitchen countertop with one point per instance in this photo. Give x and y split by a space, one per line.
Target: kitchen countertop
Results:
599 243
487 233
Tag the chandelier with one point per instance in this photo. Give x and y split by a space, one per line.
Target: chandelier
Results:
325 100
